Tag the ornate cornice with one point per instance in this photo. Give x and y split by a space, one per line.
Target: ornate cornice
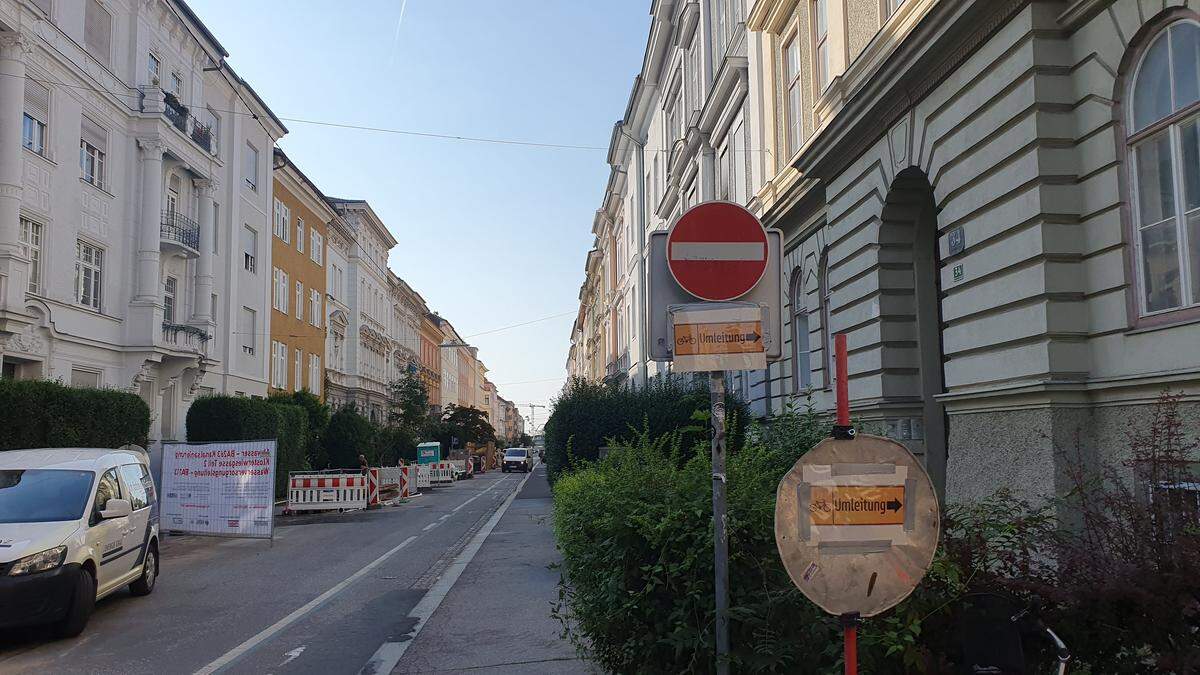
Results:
14 45
207 187
151 145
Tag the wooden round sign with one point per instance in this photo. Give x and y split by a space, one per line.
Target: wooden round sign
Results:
857 524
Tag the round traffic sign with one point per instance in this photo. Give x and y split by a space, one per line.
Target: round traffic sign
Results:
717 251
856 524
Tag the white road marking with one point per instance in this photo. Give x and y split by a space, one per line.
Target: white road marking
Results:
236 652
390 653
291 656
714 250
429 527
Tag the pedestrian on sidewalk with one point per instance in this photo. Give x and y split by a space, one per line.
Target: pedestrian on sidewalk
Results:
363 466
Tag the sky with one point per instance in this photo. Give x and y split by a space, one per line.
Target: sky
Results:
490 235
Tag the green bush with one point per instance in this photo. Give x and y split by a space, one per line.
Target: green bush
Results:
348 435
588 416
236 418
318 420
40 414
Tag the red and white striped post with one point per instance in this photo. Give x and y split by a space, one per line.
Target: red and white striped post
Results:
843 431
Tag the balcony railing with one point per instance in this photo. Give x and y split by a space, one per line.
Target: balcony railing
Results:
182 119
187 338
202 135
176 113
180 229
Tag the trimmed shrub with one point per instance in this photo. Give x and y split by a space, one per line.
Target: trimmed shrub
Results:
236 418
40 414
588 416
318 420
349 435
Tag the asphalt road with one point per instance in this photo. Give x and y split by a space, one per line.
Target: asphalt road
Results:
338 593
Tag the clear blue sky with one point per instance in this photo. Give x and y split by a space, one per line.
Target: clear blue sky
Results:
490 235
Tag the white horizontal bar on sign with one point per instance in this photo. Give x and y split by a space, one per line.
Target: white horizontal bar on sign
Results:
718 250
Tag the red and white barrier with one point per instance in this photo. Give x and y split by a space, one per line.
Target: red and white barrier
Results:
442 473
317 491
424 476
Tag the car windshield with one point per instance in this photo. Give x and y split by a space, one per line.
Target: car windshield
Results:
517 453
43 495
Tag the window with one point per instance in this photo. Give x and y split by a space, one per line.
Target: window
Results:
137 481
31 239
801 363
826 333
317 248
890 7
820 43
169 286
85 379
693 72
1165 149
279 298
216 227
248 329
176 85
279 354
300 235
153 69
213 121
314 374
97 32
314 307
250 248
108 487
93 142
37 116
89 274
299 301
337 278
339 344
250 167
280 225
296 381
791 74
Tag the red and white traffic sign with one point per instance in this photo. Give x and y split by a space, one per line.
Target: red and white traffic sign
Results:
717 251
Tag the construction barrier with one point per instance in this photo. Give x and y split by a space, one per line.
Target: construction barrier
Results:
326 491
387 482
424 476
442 473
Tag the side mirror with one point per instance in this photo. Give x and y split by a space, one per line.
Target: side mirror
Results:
116 508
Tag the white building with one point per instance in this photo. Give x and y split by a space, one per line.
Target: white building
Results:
135 188
367 363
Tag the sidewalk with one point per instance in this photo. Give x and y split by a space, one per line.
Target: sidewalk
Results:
496 619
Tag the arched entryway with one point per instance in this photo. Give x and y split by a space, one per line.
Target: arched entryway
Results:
910 309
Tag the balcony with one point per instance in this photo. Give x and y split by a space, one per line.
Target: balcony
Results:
185 338
180 233
182 119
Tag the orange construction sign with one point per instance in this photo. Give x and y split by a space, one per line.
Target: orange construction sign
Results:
857 505
704 339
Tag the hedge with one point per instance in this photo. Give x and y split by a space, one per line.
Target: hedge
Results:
235 418
42 414
588 416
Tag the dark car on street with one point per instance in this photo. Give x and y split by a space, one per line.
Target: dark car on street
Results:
517 459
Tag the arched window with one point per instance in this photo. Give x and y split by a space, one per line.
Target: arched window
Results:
1165 171
826 334
801 361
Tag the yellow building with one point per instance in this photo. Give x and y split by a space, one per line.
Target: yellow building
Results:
300 217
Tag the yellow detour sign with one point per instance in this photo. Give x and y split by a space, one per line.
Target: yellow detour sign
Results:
718 336
693 339
857 505
856 524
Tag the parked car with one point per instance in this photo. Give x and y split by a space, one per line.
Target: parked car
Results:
517 459
76 524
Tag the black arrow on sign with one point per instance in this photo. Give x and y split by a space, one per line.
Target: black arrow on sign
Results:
752 337
894 505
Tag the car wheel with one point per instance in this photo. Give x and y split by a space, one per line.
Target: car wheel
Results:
83 601
145 583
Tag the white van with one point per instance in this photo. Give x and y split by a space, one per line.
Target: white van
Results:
76 524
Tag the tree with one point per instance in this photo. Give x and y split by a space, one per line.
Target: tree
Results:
348 435
468 425
410 403
318 420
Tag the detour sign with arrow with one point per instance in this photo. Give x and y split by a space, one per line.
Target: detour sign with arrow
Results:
857 505
693 339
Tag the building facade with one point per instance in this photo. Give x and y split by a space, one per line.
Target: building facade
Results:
135 193
298 281
991 198
367 366
431 359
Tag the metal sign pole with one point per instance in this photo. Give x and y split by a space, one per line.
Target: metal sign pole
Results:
716 393
843 430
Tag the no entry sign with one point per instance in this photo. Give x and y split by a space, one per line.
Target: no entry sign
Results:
717 251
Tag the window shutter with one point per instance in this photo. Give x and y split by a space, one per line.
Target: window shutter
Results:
93 134
97 31
37 101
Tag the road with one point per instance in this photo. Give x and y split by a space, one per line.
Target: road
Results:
465 567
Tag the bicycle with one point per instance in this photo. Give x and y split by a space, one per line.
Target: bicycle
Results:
993 627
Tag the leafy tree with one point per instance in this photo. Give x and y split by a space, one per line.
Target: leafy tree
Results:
468 425
348 435
318 420
410 403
